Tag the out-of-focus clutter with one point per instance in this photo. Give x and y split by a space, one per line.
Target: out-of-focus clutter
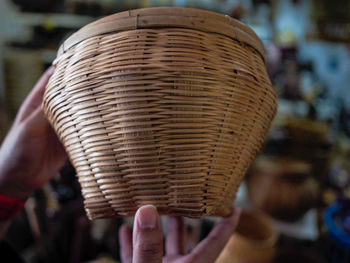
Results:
283 187
253 242
296 195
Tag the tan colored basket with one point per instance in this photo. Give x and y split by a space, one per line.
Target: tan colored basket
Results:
162 106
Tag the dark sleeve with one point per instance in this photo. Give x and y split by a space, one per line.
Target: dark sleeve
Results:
8 254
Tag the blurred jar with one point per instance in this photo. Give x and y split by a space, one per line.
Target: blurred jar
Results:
253 241
282 187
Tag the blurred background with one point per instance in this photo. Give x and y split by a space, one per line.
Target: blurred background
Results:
297 192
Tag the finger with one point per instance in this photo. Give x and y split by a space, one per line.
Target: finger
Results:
35 97
147 236
37 120
125 244
38 125
209 248
175 241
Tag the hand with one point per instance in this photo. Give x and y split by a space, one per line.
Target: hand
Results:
31 153
146 245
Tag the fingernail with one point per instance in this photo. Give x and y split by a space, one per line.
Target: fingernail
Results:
147 217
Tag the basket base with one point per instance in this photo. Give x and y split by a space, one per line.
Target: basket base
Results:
222 212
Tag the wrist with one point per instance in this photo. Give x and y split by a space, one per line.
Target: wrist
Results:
15 180
15 190
10 207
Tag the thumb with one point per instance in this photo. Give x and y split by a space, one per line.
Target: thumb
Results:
36 124
147 236
37 119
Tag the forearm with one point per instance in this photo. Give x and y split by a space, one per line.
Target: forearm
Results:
10 207
3 228
29 156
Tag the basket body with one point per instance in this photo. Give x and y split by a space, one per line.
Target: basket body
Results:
170 116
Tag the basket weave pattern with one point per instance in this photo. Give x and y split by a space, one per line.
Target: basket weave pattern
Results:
170 116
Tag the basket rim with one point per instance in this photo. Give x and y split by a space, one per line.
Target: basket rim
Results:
167 17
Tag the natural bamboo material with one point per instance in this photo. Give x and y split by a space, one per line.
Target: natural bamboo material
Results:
162 106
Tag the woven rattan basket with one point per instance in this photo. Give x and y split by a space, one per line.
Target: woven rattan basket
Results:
162 106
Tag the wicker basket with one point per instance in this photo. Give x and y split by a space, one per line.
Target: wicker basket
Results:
162 106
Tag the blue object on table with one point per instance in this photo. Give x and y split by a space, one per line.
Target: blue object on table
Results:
339 238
